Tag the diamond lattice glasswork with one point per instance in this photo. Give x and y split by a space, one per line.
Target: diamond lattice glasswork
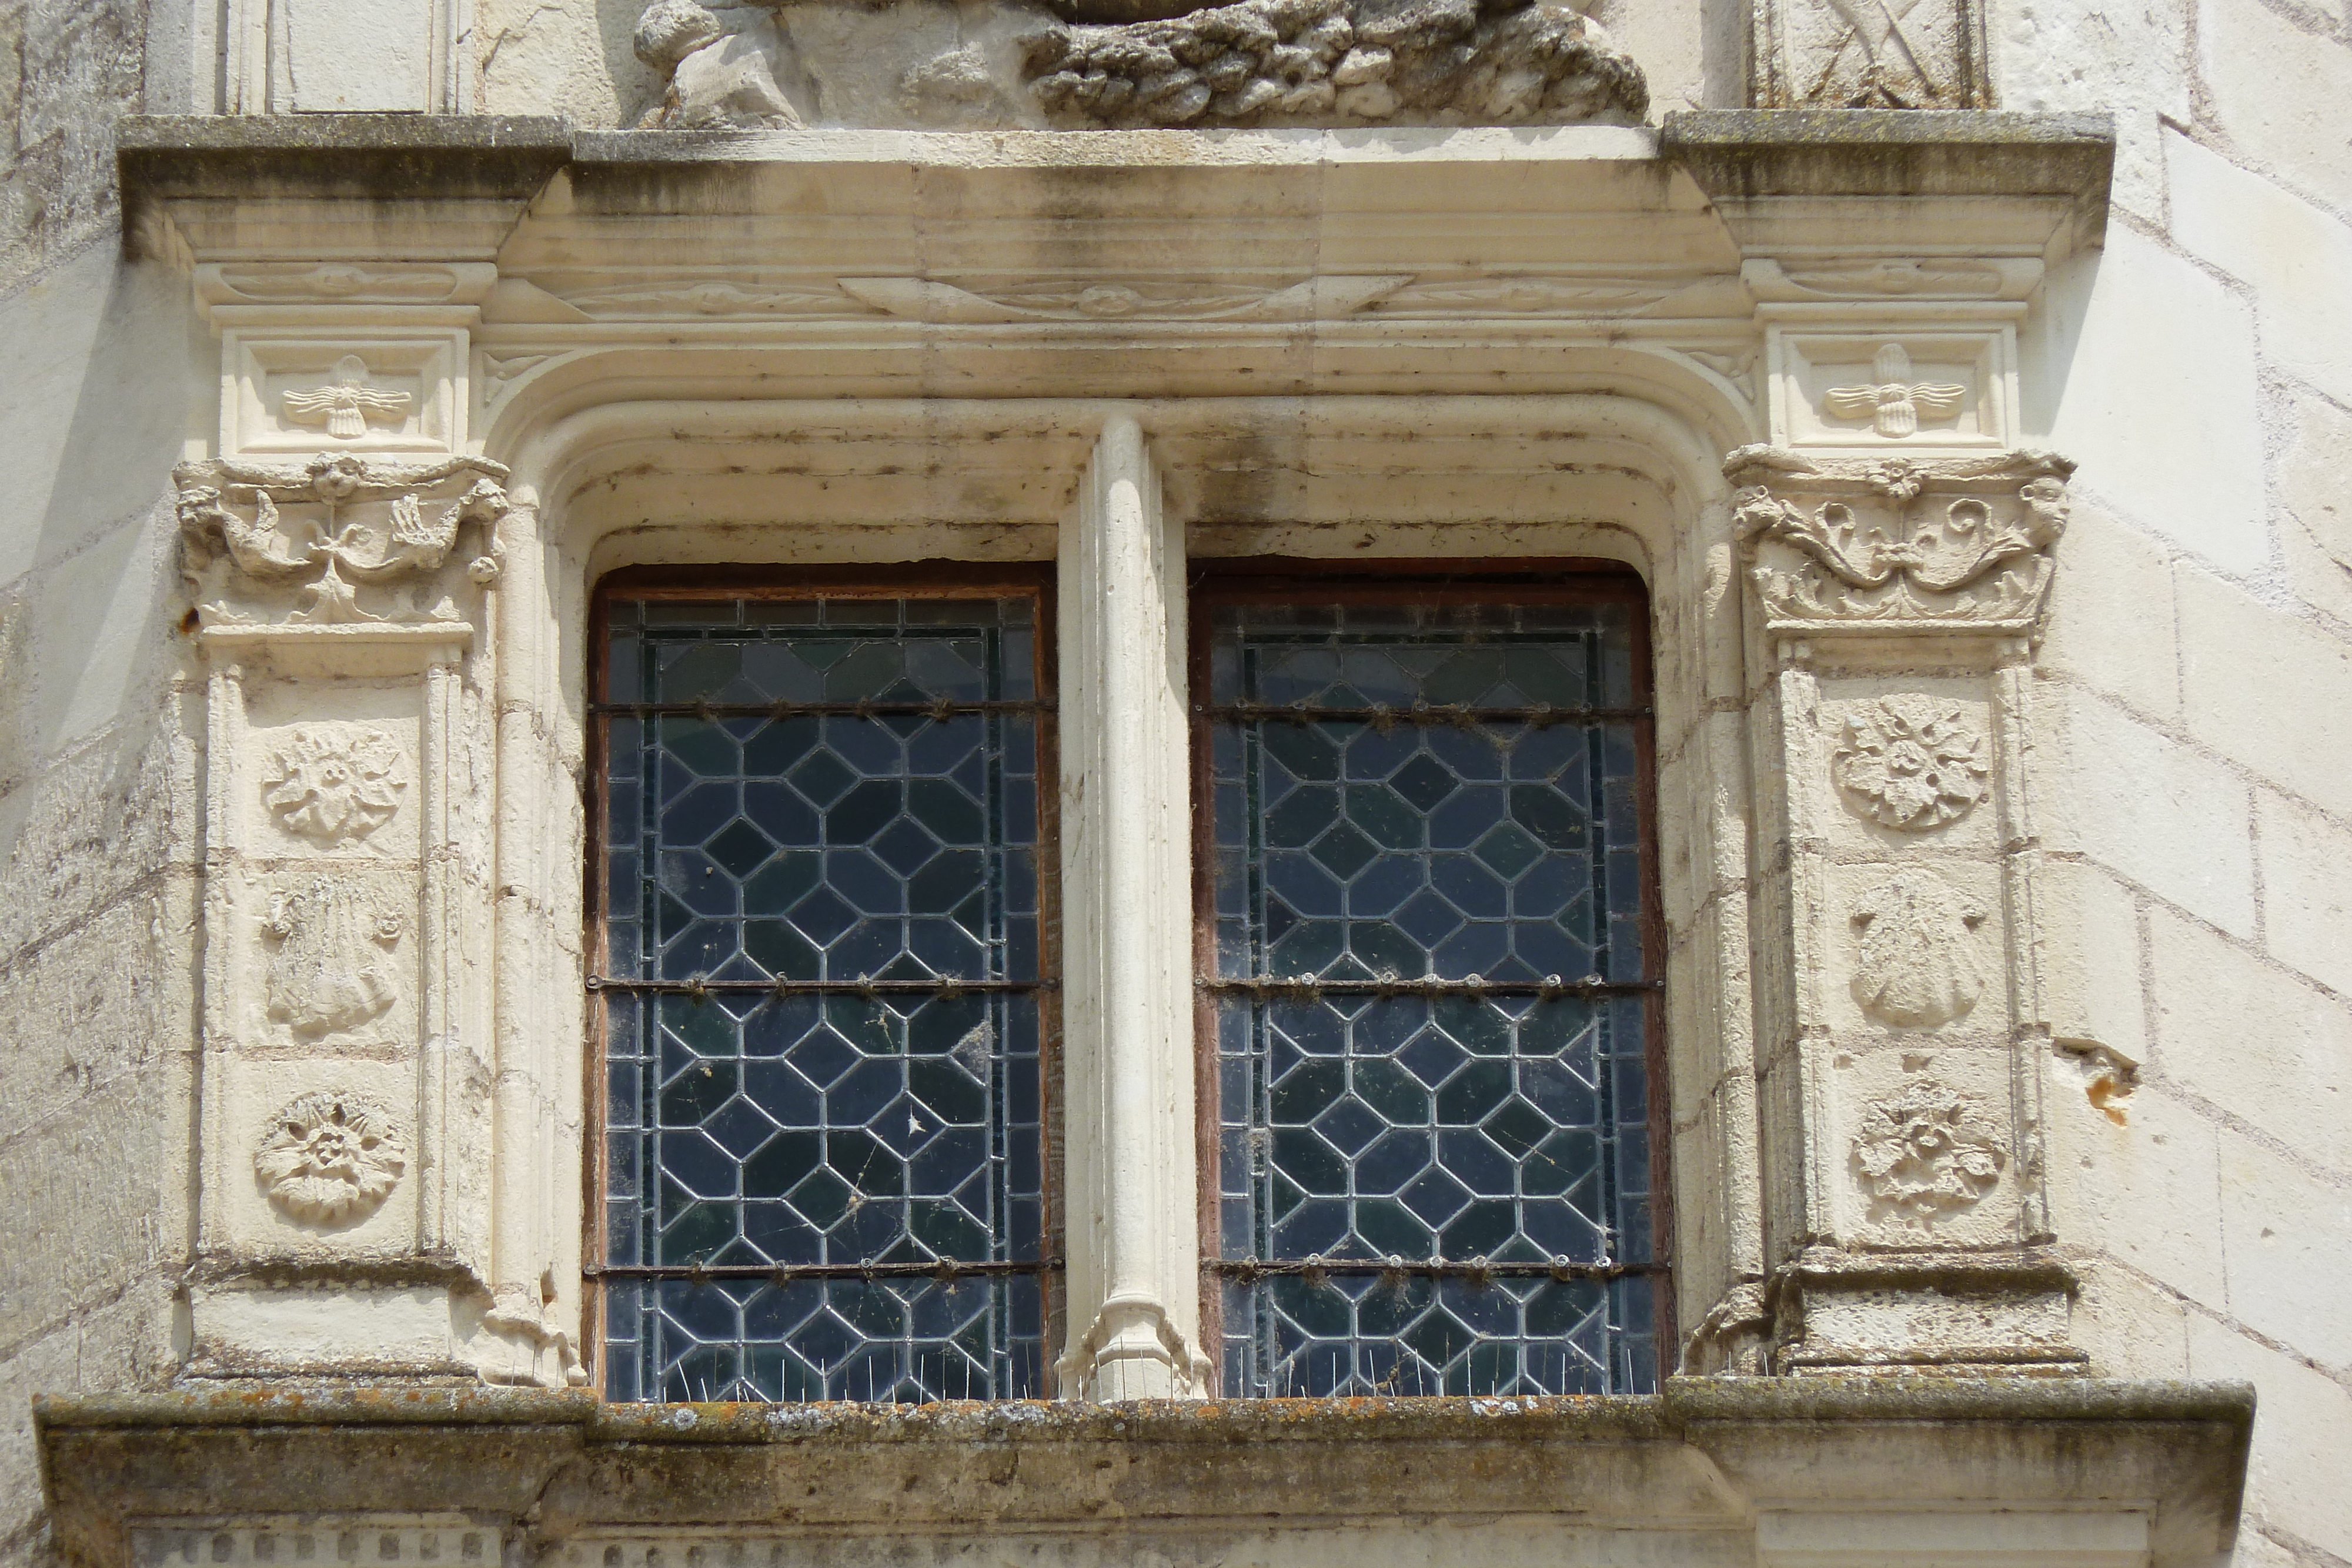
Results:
1433 999
823 1170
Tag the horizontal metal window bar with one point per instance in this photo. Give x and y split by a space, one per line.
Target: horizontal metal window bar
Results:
1248 1269
1551 987
935 1269
1381 716
941 707
700 987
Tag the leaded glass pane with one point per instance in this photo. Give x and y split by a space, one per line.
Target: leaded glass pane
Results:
823 1118
1433 1007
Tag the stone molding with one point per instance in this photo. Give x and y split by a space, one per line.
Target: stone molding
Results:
1712 1471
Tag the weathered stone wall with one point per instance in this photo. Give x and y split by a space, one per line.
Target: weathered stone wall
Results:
2196 712
96 919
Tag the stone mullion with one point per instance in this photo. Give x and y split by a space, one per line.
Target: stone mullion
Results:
1126 849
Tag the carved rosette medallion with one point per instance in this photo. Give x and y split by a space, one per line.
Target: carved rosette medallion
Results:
1919 968
333 783
330 965
1921 1158
340 541
1959 544
330 1157
1910 762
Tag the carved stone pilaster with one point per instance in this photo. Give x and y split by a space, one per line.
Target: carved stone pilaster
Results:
347 1066
1899 603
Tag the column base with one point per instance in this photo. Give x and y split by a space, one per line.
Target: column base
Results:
1849 1313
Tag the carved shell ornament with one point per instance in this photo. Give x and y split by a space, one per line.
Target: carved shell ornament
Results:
330 1157
334 783
1920 1157
330 963
1910 762
1919 966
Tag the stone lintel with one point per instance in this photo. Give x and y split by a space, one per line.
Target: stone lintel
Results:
1678 1476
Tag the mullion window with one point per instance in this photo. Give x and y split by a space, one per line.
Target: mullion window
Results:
822 981
1433 1155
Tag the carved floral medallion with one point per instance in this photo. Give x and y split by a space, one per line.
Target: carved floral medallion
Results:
1910 762
1919 968
1920 1158
330 956
330 1157
334 783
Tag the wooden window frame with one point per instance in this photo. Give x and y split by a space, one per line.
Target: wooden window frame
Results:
1299 580
926 580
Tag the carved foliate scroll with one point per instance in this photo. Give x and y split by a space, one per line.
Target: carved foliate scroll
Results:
341 541
1958 544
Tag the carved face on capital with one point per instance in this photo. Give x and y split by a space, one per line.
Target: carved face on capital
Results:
336 478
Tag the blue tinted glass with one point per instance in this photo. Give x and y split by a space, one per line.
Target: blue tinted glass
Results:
1407 799
820 1011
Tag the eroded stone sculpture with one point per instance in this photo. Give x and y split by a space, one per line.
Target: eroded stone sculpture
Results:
333 783
1923 1156
281 544
330 1157
1102 64
1919 966
1910 762
331 950
1963 543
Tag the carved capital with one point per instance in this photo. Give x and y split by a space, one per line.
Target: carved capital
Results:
1899 543
341 541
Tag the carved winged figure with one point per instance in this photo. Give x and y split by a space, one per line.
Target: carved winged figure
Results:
1894 402
258 548
410 543
346 404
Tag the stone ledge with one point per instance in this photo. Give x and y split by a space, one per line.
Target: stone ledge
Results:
1684 1401
1695 1464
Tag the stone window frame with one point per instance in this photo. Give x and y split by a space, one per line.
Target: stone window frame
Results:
603 526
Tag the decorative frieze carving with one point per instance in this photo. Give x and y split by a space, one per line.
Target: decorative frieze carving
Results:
1923 1156
334 782
1256 63
1960 544
331 944
295 545
1918 966
1910 762
1124 298
330 1157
